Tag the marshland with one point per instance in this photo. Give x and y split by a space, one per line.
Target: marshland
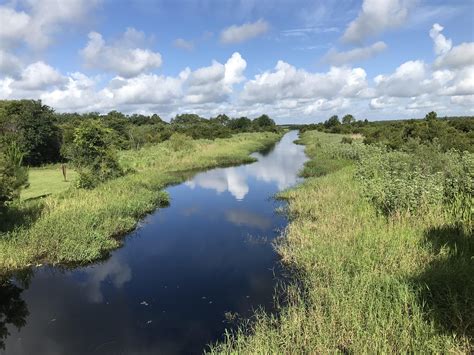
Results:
236 177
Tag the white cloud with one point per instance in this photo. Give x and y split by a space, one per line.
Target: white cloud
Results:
39 76
338 58
407 80
375 17
14 26
288 82
464 100
247 31
234 69
441 44
458 57
37 23
120 57
183 44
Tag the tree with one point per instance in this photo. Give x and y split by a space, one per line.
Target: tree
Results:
93 154
333 121
32 126
263 122
348 119
432 116
241 124
186 118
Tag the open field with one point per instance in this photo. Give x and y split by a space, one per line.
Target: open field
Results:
46 181
78 226
363 282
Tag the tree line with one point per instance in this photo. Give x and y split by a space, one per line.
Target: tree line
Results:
447 133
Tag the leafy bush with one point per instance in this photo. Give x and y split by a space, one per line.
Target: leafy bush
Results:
12 174
180 142
93 155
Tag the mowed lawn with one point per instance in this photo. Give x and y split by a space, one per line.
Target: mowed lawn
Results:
46 181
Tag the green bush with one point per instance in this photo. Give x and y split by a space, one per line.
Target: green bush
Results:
93 155
12 174
180 142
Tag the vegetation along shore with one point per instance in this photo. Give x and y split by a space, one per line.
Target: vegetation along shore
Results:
380 246
118 175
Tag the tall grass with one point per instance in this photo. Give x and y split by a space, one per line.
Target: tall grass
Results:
78 226
363 281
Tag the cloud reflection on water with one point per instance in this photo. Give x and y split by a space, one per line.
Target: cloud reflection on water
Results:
280 166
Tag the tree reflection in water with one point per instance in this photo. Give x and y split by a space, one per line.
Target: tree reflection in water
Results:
13 310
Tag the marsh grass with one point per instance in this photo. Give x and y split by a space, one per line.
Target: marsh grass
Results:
362 282
79 226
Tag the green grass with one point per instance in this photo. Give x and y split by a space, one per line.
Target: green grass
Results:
362 282
79 226
46 181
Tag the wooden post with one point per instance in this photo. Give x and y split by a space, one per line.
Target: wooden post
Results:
63 169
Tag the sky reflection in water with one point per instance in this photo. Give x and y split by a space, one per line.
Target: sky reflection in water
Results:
168 288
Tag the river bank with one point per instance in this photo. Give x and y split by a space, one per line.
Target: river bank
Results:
364 282
79 226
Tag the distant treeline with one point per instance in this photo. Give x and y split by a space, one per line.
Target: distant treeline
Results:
45 136
447 133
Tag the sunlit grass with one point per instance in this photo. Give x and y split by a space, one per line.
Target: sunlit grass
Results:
363 283
78 226
47 181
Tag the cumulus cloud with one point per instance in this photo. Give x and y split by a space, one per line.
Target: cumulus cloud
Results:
214 83
358 54
407 80
442 45
14 26
121 56
245 32
202 89
375 17
457 57
183 44
39 20
39 76
288 82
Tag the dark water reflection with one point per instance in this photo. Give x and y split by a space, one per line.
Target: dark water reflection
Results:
168 288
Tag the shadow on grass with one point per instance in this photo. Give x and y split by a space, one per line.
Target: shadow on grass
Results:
20 215
448 281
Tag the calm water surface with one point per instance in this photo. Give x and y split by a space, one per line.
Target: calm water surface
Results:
168 288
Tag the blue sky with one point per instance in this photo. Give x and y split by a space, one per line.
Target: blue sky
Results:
299 61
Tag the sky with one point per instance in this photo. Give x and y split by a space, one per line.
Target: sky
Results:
297 61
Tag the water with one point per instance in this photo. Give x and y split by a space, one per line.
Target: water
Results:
168 288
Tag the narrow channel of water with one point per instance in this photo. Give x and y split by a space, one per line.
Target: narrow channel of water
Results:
168 289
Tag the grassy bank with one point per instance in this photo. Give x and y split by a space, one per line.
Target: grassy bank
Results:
364 282
78 226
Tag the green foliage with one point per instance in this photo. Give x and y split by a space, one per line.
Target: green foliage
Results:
348 119
32 126
360 281
93 154
431 116
13 175
180 142
449 133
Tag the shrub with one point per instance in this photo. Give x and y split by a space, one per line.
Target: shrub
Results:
93 154
180 142
12 174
